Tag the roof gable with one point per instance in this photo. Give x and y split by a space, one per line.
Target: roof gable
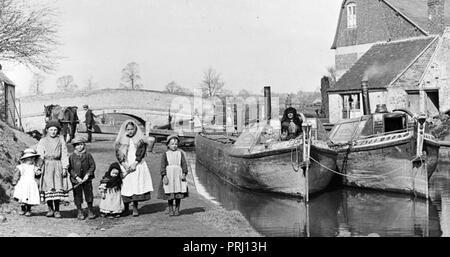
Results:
417 11
5 79
383 63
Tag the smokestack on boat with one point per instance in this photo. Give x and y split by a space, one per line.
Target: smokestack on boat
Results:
365 95
268 103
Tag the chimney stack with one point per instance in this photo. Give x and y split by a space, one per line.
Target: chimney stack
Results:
436 19
365 95
268 103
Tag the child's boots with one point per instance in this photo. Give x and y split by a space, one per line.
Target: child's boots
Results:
23 209
171 212
80 214
91 214
50 212
135 209
177 207
28 212
177 210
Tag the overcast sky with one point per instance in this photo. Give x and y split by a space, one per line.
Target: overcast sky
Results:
252 43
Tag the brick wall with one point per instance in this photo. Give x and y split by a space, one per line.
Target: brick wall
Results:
376 22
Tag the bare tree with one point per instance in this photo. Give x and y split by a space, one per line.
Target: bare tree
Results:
131 77
244 93
28 34
212 84
332 74
66 84
173 87
36 84
90 84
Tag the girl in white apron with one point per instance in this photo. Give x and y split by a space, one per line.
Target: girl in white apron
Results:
174 169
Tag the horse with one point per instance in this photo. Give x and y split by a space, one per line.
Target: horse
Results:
67 118
35 134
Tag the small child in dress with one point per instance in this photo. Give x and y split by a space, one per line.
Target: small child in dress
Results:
81 170
111 202
26 189
174 169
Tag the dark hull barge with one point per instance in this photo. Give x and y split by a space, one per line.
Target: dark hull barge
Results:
243 162
390 151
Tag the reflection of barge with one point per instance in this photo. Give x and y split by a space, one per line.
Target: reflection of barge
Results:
341 212
389 151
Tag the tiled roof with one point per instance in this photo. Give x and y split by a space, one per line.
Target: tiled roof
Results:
382 63
5 79
417 11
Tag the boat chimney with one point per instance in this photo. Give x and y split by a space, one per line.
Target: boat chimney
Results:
268 103
365 95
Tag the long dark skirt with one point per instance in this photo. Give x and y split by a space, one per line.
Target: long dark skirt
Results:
136 198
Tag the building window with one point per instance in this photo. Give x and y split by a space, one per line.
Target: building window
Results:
351 15
351 103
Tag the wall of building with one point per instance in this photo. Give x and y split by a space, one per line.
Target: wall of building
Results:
438 74
336 105
376 22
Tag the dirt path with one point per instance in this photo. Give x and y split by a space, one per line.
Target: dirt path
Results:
199 217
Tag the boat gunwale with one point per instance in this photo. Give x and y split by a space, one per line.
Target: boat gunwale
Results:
269 152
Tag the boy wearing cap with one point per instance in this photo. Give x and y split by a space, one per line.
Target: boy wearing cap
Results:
81 170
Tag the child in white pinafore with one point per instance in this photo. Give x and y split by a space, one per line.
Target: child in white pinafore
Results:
174 169
26 187
111 203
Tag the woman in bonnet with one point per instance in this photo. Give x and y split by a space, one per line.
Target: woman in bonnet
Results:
131 146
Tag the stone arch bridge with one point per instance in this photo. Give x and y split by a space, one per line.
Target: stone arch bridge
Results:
149 107
143 105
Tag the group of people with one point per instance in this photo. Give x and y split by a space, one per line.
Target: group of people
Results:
43 174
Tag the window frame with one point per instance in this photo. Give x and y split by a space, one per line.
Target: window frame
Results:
351 15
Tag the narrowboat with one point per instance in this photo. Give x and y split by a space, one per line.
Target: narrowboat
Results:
390 151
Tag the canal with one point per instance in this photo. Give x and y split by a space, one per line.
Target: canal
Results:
341 211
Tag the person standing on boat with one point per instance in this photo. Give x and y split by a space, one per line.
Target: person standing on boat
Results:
174 170
54 182
131 147
291 124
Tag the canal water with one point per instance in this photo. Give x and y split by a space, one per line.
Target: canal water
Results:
342 211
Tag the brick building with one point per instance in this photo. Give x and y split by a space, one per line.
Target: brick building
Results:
404 55
7 99
363 23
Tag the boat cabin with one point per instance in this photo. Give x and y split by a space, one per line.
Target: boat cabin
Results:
381 122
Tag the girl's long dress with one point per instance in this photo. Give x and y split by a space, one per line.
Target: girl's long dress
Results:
54 153
138 184
174 173
26 191
112 203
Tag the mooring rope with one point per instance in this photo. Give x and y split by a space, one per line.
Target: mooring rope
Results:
362 175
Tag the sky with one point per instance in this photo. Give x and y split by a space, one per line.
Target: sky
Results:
252 43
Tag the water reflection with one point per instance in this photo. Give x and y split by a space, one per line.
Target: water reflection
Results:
341 212
440 195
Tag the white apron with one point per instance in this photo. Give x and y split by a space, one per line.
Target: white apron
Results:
139 181
174 174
